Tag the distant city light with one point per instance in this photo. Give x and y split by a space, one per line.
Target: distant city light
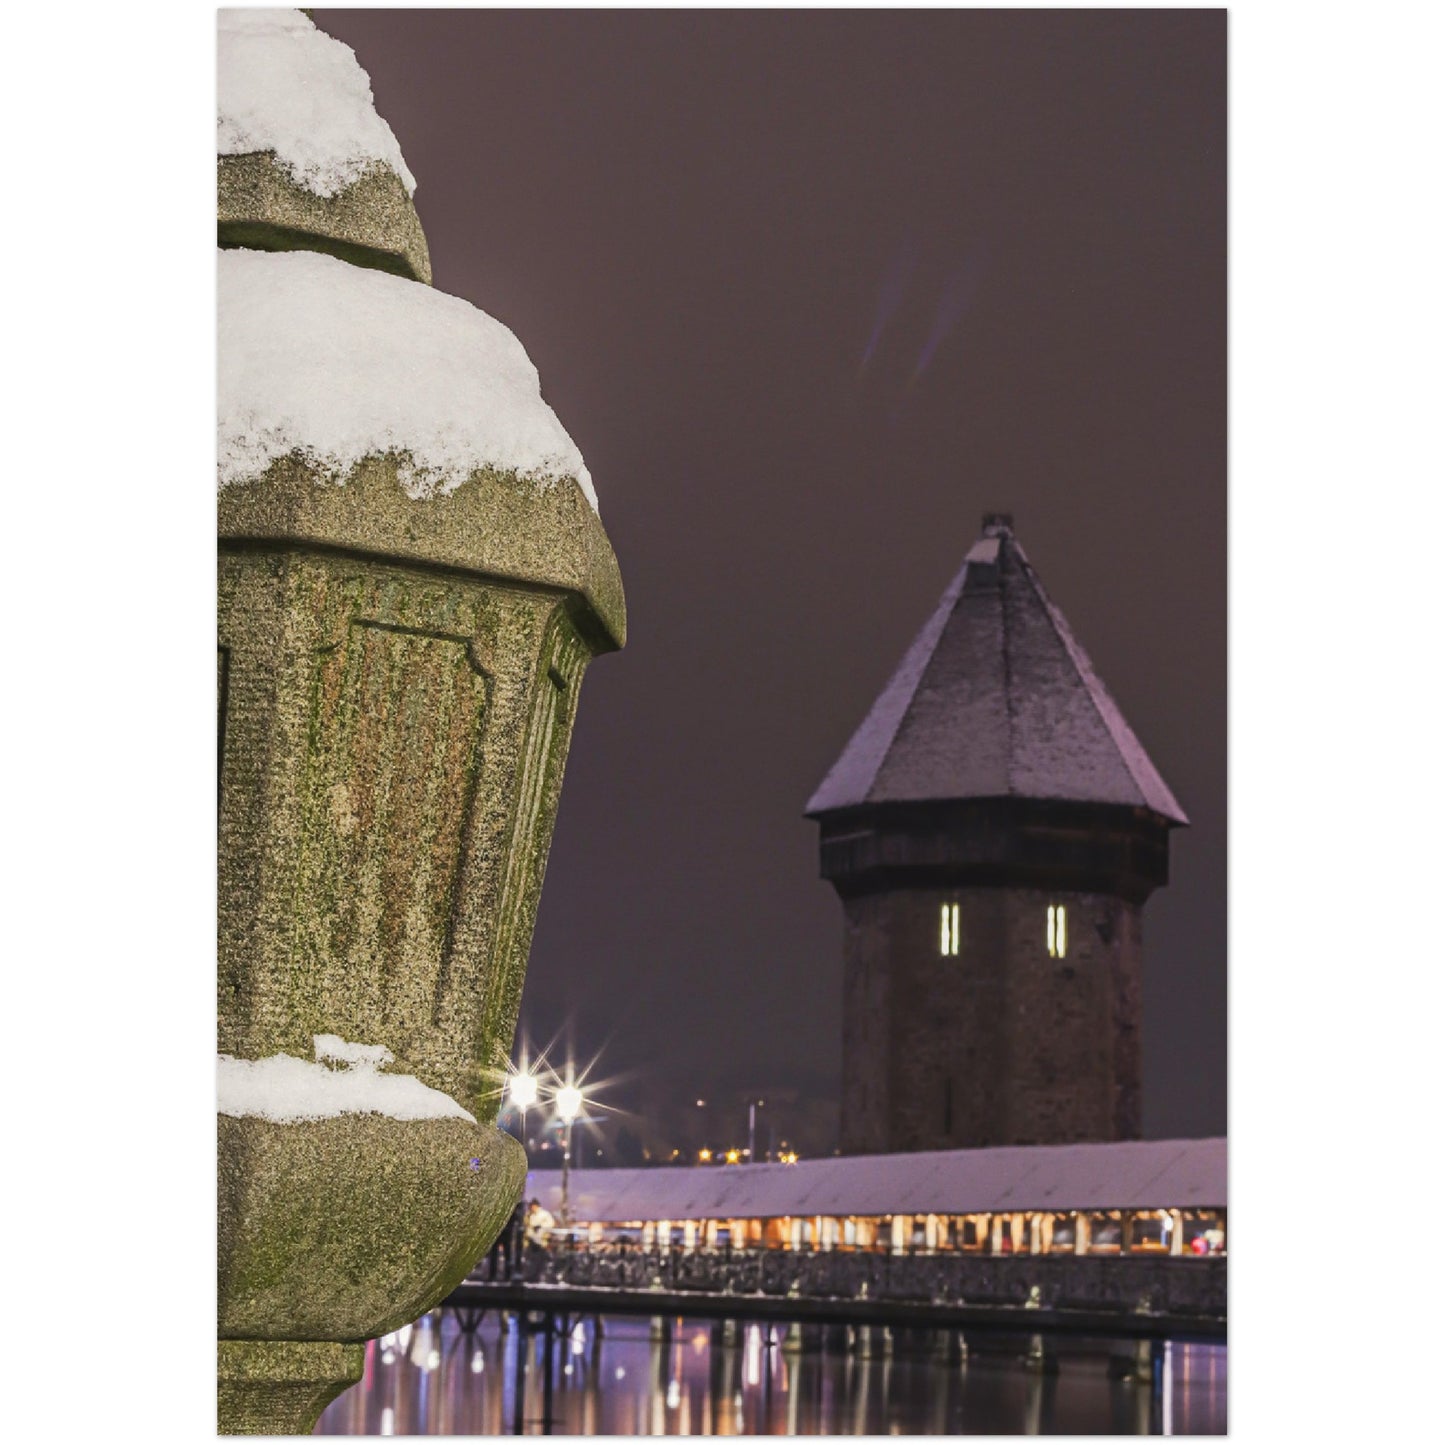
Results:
704 1155
733 1156
702 1103
789 1156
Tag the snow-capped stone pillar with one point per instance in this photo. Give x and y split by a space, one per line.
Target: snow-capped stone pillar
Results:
304 161
412 580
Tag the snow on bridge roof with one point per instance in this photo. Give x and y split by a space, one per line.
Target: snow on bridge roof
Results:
1145 1174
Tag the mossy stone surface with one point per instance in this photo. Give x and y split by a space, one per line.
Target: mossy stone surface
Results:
494 525
397 682
344 1229
372 222
266 1387
392 748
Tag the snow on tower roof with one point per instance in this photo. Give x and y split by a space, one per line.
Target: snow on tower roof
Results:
995 699
341 362
282 85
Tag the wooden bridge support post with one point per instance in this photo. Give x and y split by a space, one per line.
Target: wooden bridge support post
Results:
1132 1360
1040 1358
803 1339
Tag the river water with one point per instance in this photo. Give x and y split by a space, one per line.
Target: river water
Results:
436 1379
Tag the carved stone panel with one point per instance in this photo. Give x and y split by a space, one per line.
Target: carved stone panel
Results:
390 770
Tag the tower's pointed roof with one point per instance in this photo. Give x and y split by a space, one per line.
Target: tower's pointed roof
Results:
995 699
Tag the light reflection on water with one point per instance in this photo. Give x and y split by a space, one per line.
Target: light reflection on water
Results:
433 1378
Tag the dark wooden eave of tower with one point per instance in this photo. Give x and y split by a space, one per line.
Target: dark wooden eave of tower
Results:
995 755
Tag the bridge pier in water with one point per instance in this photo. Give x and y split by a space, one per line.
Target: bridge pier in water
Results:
803 1339
1041 1358
1134 1360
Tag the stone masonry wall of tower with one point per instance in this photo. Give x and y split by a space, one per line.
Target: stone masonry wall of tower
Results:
1000 1044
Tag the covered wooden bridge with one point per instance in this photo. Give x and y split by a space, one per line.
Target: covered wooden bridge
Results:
1124 1238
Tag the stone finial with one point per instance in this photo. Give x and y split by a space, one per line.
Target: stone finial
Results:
304 162
371 223
397 675
997 524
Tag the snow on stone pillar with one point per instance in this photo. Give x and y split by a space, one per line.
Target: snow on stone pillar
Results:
412 579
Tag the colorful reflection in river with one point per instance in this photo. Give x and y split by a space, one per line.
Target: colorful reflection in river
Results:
434 1378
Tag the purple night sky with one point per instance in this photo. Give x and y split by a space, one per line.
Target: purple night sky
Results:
812 291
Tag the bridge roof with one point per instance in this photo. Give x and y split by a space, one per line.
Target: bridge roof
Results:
995 699
1143 1174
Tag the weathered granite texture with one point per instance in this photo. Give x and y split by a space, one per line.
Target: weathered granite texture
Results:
494 526
371 223
269 1387
396 722
391 1214
397 683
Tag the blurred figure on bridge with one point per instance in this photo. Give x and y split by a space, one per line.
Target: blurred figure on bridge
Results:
540 1223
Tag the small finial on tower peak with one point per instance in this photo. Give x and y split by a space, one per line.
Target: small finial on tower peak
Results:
995 524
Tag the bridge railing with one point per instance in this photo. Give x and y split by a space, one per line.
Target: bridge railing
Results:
1160 1284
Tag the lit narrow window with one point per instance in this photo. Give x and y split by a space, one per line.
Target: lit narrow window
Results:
1058 931
948 930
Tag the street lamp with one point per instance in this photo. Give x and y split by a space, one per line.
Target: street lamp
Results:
568 1100
522 1094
